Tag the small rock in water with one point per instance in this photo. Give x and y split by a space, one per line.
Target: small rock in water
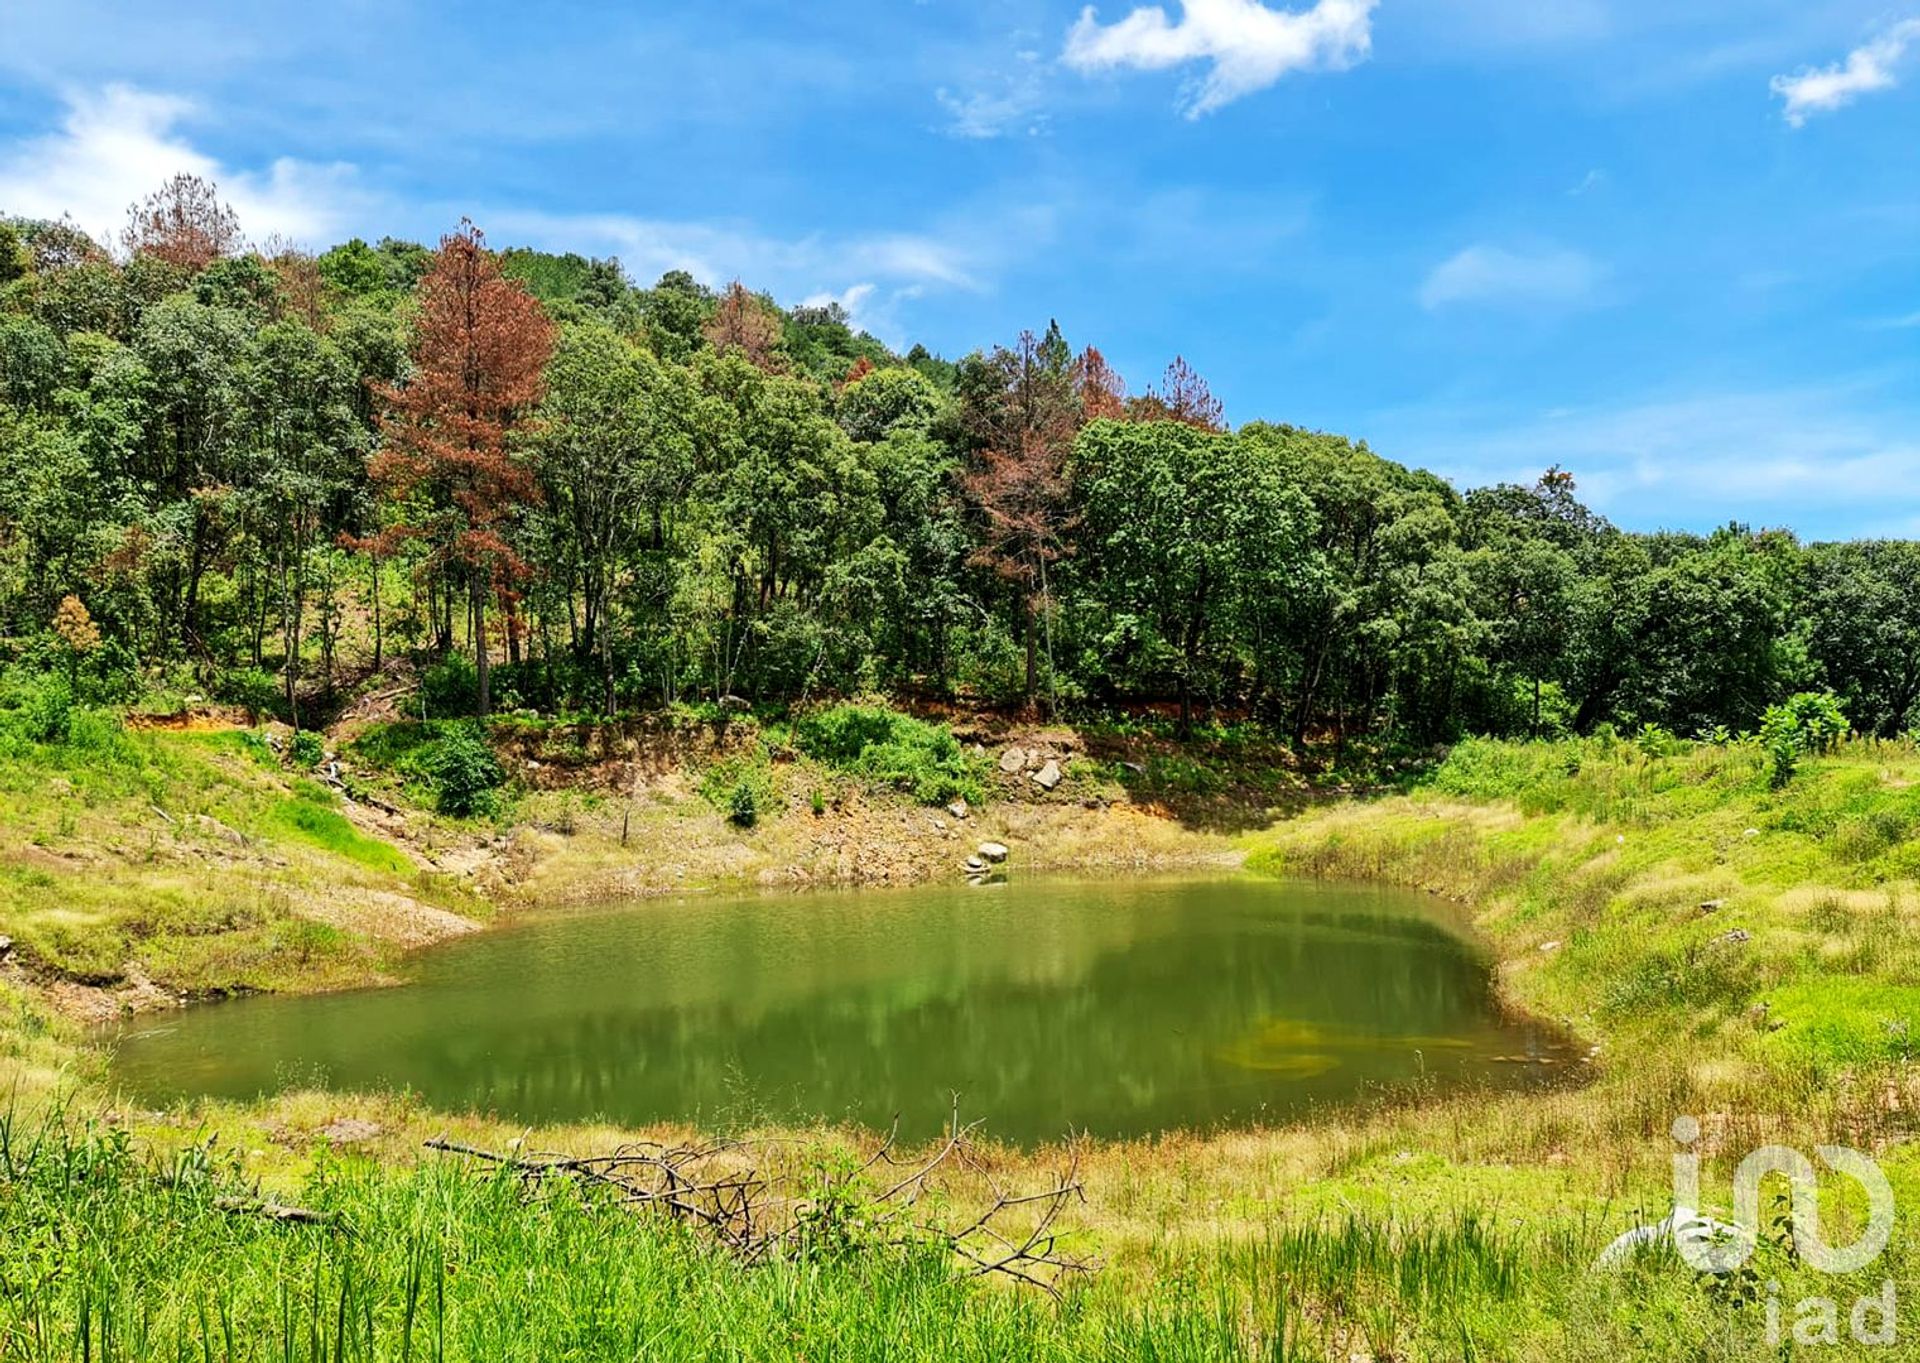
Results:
993 851
1013 760
975 866
1048 776
958 809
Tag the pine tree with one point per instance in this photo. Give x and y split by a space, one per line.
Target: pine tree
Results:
479 354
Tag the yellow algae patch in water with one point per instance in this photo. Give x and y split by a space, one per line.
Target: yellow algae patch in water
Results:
1301 1050
1287 1065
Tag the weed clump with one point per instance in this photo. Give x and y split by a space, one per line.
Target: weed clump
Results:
892 749
741 787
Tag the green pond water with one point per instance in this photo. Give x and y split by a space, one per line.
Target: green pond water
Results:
1116 1007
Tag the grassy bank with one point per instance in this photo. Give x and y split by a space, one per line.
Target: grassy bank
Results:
1734 950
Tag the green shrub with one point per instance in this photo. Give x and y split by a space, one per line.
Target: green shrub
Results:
893 749
741 787
460 767
253 690
36 708
46 711
307 750
1656 740
1810 722
450 688
743 805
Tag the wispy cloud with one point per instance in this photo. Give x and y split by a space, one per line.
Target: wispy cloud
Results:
119 143
866 274
1251 46
871 309
1814 458
1871 66
1592 180
1012 103
1501 277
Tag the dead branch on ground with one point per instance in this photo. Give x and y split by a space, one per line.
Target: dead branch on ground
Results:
716 1188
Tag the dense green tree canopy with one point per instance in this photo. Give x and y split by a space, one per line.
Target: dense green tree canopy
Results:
700 493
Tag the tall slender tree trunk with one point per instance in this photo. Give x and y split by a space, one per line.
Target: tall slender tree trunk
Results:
1033 653
484 697
374 593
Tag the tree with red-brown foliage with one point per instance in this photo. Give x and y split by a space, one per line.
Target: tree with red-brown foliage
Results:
1183 396
742 322
480 350
185 223
303 290
1101 390
1027 416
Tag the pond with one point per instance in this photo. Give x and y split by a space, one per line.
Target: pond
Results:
1115 1007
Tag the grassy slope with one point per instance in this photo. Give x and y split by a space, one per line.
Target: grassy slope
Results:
186 861
1462 1225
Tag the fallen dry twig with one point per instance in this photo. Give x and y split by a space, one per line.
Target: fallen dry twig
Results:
717 1189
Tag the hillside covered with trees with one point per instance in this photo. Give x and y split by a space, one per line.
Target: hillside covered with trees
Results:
269 477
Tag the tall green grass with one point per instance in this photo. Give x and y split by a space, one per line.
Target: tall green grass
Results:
115 1256
310 815
112 1258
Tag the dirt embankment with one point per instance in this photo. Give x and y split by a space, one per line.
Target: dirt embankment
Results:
613 811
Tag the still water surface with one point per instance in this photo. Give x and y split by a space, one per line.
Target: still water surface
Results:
1119 1007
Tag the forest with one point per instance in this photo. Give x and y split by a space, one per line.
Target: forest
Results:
268 477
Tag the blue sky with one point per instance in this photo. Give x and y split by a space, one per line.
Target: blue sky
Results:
1673 245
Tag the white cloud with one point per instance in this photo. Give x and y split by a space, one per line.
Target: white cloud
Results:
850 300
1010 103
1869 67
1496 276
121 143
716 253
870 310
1592 180
1822 460
887 269
1249 45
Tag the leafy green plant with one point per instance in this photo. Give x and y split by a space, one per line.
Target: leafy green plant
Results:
741 786
1655 740
449 688
251 689
462 770
1810 722
307 750
743 805
37 709
890 748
